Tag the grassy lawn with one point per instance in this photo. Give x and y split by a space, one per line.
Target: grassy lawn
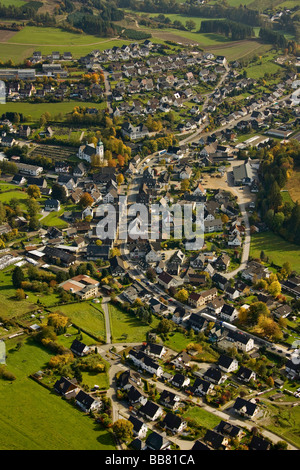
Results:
53 219
32 418
125 323
6 194
278 250
91 379
286 197
202 417
86 316
4 186
177 341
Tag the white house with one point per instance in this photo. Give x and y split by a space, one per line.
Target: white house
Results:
151 411
227 364
241 340
142 360
52 205
228 313
140 428
245 408
88 151
86 402
234 240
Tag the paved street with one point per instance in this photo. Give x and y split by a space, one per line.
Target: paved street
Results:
121 409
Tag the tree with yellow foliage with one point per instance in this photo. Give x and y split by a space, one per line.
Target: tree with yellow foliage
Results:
58 321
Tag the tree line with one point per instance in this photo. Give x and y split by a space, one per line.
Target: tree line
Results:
273 37
239 14
230 29
277 164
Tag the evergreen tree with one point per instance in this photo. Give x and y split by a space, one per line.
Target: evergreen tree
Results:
17 277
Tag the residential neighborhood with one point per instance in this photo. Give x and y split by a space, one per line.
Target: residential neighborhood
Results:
149 247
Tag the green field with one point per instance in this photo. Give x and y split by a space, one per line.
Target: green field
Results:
177 341
123 323
33 418
202 417
278 250
9 307
286 197
86 316
53 219
15 3
6 196
33 111
244 49
263 66
237 3
47 40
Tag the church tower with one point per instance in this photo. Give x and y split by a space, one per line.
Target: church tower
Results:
100 150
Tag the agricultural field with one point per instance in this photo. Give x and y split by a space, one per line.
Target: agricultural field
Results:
26 406
125 324
31 38
278 250
33 111
264 65
240 49
184 37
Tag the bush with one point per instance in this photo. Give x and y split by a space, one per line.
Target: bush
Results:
5 374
